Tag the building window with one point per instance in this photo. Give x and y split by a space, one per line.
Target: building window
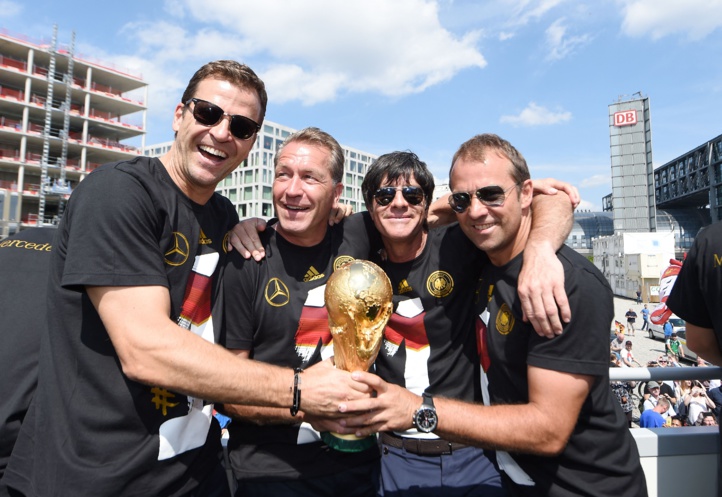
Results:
267 193
267 210
248 193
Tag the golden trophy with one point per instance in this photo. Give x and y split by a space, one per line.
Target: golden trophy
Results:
359 303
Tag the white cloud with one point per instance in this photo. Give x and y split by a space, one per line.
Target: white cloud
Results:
309 52
658 18
317 49
559 43
9 9
537 115
174 8
585 205
595 181
531 10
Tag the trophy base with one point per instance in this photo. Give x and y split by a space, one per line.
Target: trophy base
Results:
348 443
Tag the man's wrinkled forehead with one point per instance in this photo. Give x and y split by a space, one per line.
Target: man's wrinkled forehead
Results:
482 163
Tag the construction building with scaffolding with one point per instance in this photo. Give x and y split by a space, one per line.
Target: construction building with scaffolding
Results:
61 116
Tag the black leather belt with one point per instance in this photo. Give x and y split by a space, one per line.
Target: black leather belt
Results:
420 446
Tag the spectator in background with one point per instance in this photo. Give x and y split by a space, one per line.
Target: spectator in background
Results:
627 357
708 419
681 389
667 387
631 318
697 402
716 395
651 402
645 318
653 418
667 329
677 422
617 344
639 296
623 391
673 346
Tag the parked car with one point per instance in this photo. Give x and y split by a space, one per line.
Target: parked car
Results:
680 328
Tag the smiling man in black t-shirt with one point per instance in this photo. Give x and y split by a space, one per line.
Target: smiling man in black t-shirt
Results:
275 313
572 442
130 360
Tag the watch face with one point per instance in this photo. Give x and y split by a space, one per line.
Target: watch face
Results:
426 419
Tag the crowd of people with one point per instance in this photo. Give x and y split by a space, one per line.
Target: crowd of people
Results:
669 403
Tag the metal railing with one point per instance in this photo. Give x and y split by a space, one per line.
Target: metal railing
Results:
668 453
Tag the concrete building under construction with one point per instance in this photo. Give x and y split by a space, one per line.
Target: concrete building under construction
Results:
61 116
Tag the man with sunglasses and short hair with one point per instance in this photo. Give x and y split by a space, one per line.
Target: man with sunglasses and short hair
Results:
429 343
130 353
549 410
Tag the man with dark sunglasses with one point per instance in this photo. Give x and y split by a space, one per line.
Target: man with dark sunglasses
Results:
129 362
572 442
429 343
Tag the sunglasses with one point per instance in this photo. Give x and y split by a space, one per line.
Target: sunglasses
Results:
414 195
209 114
491 196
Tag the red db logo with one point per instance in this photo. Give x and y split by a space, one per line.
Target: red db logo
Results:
625 118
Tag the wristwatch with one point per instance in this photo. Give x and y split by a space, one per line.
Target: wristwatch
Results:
425 419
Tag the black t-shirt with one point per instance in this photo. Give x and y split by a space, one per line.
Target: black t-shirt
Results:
24 260
696 293
275 309
601 457
429 342
91 430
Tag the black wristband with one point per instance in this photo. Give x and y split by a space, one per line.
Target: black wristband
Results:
296 391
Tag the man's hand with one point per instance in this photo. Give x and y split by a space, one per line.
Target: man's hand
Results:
541 290
391 409
244 238
339 212
324 387
550 186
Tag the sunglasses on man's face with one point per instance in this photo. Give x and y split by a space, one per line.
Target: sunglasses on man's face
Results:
209 114
414 195
491 196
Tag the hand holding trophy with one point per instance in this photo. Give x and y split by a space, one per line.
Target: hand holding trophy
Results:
359 303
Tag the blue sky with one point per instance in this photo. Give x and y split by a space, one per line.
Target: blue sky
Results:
384 75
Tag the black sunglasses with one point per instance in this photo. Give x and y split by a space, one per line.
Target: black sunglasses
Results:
491 196
209 114
414 195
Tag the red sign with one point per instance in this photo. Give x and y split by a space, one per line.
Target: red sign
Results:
625 118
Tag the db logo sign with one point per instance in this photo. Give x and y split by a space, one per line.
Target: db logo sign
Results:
625 118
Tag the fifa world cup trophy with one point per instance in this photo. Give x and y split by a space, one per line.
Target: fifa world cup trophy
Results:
359 303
